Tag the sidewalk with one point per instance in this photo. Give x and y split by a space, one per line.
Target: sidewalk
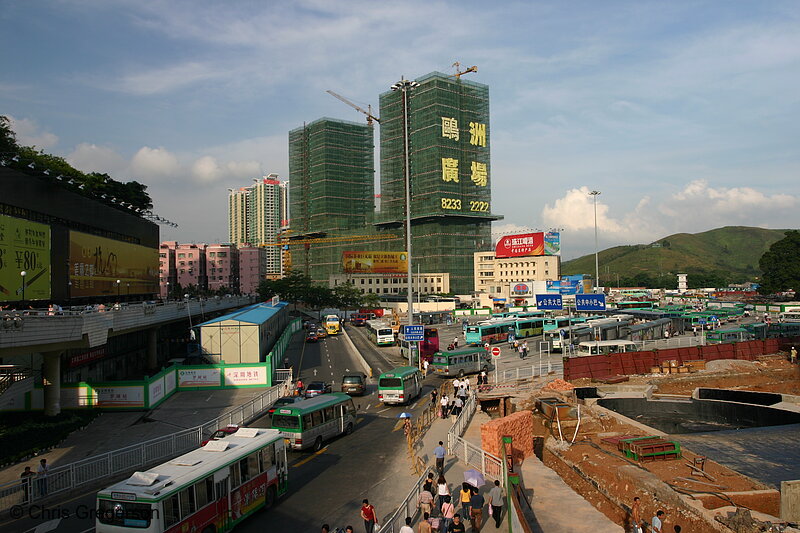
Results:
556 507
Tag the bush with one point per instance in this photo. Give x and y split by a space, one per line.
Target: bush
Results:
25 434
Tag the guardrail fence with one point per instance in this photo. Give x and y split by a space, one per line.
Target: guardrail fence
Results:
90 471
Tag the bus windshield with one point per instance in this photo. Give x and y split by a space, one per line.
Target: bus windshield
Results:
286 421
390 382
125 514
439 359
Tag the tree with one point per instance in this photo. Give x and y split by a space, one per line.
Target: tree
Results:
8 140
781 265
347 296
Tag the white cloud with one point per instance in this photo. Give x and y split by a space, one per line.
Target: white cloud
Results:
30 134
154 163
93 158
575 211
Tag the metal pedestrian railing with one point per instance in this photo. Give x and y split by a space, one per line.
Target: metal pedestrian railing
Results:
409 507
489 465
100 468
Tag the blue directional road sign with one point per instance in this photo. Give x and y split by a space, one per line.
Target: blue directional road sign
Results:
414 333
590 302
549 302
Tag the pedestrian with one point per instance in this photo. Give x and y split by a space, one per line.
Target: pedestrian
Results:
458 404
455 342
793 355
496 503
694 331
428 485
424 526
369 516
41 474
476 506
434 396
462 391
442 491
425 366
457 526
465 383
520 351
25 479
656 523
482 379
443 403
636 518
464 496
439 452
456 384
425 502
407 528
525 349
448 512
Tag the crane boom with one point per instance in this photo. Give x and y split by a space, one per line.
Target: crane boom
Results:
460 73
370 116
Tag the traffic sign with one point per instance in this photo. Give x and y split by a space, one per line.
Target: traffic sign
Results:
414 333
590 302
713 318
701 321
496 351
549 302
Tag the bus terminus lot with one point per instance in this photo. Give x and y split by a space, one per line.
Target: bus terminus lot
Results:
212 488
399 385
459 362
331 324
310 422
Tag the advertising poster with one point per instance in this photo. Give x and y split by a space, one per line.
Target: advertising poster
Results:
24 247
169 382
156 391
375 262
552 243
96 263
525 244
198 377
74 397
120 396
252 375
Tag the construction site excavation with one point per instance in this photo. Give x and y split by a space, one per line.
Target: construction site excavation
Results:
715 446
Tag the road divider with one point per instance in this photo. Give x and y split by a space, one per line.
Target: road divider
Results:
355 353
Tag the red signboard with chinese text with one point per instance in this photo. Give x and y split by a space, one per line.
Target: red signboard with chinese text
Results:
520 245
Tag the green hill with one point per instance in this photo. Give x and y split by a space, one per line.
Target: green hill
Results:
728 254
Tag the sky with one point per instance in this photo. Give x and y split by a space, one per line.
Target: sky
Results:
683 114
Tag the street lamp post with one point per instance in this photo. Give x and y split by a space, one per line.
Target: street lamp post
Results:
118 282
405 85
594 195
23 274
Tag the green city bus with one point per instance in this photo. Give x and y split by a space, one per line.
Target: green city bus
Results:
726 336
459 362
311 422
400 385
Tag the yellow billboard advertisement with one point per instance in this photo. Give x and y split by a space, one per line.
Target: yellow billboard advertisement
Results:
375 262
24 260
96 263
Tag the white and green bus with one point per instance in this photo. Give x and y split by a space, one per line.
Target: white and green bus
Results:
587 348
400 385
380 332
467 360
212 488
311 422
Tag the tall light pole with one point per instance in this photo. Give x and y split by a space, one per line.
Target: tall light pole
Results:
404 86
23 274
594 195
118 282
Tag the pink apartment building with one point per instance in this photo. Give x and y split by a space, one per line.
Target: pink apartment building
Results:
211 267
252 268
222 267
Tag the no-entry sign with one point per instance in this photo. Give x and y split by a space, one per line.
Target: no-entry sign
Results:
496 351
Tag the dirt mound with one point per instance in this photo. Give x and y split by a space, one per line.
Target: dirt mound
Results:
559 385
731 365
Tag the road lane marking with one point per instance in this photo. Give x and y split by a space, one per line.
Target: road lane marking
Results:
359 420
307 459
378 404
412 406
398 425
383 410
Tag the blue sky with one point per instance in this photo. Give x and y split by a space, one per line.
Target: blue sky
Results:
683 114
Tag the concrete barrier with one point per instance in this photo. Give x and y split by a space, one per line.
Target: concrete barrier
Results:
354 351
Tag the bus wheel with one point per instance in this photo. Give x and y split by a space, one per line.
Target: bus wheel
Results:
460 374
349 429
269 500
318 444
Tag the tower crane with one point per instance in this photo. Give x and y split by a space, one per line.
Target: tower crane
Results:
370 116
460 73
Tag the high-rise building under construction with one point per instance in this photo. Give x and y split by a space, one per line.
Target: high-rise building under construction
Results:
254 218
450 174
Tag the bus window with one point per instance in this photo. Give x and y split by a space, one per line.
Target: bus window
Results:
245 470
316 417
252 465
390 382
133 515
236 480
187 502
329 414
204 492
172 513
307 422
351 407
286 421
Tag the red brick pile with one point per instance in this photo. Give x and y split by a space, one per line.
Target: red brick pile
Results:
559 385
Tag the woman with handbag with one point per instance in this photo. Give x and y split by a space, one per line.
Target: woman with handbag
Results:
448 512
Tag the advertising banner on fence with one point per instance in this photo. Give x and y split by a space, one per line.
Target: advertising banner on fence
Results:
155 391
375 262
251 375
120 396
198 377
520 245
74 397
169 382
96 263
24 247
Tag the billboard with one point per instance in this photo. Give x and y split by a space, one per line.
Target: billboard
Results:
24 247
552 243
567 285
520 245
96 263
375 262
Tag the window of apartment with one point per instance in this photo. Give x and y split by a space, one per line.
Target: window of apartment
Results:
181 256
362 281
212 254
222 254
162 255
